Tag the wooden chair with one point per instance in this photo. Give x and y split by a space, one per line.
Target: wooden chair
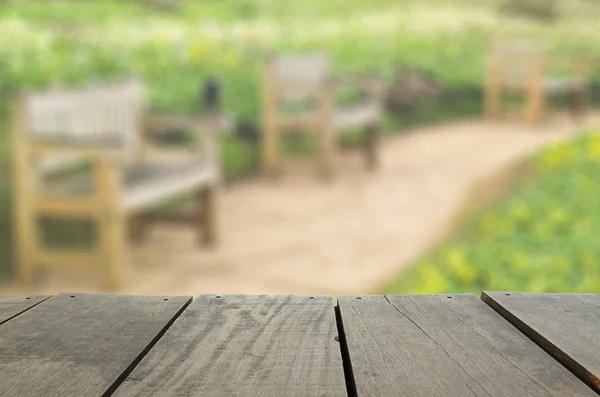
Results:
105 125
306 78
524 68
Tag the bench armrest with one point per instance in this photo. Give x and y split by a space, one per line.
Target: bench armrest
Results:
207 128
579 66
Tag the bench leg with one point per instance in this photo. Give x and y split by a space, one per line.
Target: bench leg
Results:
112 233
534 106
25 225
26 246
372 146
207 211
326 142
137 228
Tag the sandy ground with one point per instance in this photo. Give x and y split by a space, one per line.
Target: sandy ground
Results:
299 235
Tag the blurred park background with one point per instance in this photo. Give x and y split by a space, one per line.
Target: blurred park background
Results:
538 235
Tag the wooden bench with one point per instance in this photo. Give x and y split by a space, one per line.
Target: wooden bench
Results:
505 344
525 68
105 126
306 78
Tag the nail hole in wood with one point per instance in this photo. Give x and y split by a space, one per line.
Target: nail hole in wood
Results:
72 296
165 299
218 296
449 297
28 297
312 297
359 297
507 294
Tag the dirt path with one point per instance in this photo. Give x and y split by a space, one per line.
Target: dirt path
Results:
301 236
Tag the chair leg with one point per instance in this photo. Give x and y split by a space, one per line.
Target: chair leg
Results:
207 215
492 102
112 232
372 146
580 103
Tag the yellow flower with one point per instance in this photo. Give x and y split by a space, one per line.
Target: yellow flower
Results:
199 50
594 150
434 282
460 267
557 155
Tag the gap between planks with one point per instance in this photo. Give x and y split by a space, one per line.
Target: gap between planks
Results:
115 385
545 344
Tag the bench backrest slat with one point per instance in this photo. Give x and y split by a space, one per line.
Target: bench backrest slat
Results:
103 115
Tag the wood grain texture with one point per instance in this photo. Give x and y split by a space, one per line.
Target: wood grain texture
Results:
12 306
79 344
445 345
566 325
245 346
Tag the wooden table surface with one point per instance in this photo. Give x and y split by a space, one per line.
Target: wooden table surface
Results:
505 344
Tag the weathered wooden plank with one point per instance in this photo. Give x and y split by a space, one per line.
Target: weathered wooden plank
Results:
566 325
12 306
445 345
245 346
80 344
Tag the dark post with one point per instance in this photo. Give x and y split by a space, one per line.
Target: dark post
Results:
211 94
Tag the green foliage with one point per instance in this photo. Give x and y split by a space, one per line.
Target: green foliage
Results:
542 239
78 42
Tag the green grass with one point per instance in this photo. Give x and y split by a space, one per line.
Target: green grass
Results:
542 238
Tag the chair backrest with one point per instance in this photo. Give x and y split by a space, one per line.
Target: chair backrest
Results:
512 61
298 76
105 115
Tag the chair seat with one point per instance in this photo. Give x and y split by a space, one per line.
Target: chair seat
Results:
555 86
356 117
549 86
